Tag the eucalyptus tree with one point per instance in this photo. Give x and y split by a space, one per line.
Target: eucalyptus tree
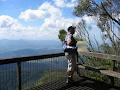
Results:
107 13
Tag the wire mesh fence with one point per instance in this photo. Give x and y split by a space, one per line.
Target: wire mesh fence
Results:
32 73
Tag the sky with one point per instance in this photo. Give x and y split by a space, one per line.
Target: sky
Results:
37 19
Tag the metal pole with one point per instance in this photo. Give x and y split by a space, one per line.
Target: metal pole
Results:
112 78
77 62
19 76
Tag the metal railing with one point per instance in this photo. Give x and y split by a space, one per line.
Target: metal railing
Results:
23 73
26 72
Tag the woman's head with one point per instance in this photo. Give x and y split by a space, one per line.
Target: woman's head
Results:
71 29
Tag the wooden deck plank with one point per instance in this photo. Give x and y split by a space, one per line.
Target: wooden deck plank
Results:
81 84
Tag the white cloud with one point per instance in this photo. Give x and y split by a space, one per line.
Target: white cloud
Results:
51 15
10 28
59 23
46 9
65 3
32 14
8 22
59 3
55 20
51 10
28 33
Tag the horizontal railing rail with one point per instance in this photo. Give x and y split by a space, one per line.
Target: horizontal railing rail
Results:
19 60
29 58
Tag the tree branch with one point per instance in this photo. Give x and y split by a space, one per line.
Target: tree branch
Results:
110 15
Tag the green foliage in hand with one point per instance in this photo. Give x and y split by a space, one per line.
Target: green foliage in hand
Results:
62 34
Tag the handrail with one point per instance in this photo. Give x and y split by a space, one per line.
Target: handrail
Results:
19 60
101 55
29 58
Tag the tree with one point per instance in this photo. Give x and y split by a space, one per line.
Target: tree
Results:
84 34
109 9
62 34
107 13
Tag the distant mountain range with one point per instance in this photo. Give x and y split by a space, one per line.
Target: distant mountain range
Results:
18 48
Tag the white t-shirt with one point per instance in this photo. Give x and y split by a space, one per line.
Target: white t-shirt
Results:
68 38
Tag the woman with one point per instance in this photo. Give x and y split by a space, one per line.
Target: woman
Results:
70 53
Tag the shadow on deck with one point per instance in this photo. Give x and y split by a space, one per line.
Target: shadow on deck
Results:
83 83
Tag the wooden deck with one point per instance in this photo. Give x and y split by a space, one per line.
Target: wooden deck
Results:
82 84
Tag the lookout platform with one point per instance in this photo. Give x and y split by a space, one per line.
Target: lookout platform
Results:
83 83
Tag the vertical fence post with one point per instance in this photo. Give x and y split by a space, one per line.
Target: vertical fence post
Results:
19 76
77 62
112 78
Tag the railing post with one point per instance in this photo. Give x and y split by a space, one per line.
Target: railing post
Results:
19 76
77 62
114 68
